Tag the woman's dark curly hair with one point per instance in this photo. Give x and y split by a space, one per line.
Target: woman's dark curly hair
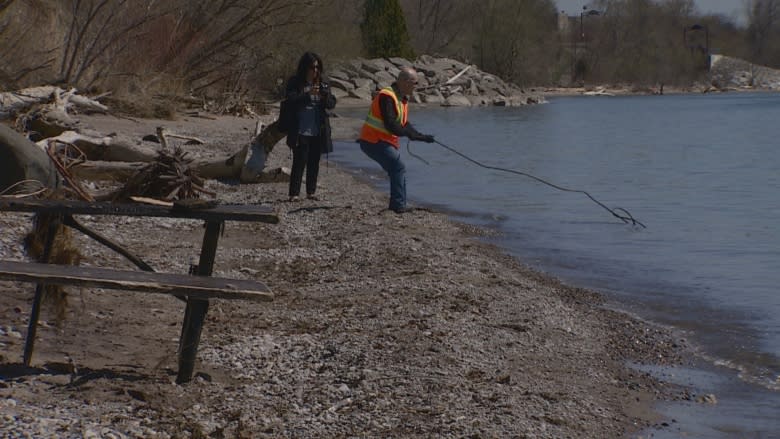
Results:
305 62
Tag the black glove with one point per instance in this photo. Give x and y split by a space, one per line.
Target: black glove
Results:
427 138
324 89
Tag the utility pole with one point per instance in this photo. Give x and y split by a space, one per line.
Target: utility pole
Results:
586 12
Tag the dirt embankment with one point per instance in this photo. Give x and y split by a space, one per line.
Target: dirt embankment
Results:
383 325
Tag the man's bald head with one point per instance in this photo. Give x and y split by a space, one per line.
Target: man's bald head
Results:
407 73
407 80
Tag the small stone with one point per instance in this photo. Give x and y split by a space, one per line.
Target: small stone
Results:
707 399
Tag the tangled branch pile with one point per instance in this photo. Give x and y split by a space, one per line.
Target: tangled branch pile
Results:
169 177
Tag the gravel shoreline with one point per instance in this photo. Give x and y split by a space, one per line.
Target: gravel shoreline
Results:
383 325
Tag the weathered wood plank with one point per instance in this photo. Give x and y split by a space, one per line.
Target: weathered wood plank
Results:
220 212
199 287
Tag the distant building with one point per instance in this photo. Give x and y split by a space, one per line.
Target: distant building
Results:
564 23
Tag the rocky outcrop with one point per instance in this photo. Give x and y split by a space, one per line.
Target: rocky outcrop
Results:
729 72
442 81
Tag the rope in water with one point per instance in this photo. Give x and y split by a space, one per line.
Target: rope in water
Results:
617 212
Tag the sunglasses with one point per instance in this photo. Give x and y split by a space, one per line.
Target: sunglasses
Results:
314 67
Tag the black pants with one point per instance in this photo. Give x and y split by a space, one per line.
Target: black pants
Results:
305 155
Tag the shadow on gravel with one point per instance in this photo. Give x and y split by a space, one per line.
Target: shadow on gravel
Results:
79 376
316 208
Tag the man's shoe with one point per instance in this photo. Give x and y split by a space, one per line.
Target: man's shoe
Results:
295 198
312 197
402 210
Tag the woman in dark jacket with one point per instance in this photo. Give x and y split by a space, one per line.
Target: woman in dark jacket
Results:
308 95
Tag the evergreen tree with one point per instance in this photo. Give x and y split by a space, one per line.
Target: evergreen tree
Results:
384 30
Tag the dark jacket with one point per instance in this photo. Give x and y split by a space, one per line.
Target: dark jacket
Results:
390 114
298 99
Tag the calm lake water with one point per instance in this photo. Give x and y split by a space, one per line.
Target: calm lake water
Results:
700 171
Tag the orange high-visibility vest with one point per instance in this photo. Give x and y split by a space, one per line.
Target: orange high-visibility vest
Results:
374 130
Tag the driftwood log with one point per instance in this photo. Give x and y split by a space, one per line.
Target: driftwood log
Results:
22 161
113 148
13 103
115 158
106 171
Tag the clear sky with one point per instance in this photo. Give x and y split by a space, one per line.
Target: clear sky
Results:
729 8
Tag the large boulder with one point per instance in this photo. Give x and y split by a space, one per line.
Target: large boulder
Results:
361 93
384 79
457 100
432 98
339 93
343 84
479 101
339 74
400 62
376 65
363 83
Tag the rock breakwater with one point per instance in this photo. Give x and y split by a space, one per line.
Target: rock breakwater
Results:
727 72
442 81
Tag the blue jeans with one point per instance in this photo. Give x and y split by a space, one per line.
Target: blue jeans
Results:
390 160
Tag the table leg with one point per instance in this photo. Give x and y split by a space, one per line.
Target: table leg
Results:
195 312
32 326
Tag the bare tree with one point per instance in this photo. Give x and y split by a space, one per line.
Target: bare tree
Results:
151 47
678 8
22 55
98 33
641 42
516 39
4 77
762 24
211 42
436 24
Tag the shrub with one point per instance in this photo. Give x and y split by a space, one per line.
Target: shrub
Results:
384 30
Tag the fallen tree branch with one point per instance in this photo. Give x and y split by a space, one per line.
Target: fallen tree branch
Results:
20 101
454 78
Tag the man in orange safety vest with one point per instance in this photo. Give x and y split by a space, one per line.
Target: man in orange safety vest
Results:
387 120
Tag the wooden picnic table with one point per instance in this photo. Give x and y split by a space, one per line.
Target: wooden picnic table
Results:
195 293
